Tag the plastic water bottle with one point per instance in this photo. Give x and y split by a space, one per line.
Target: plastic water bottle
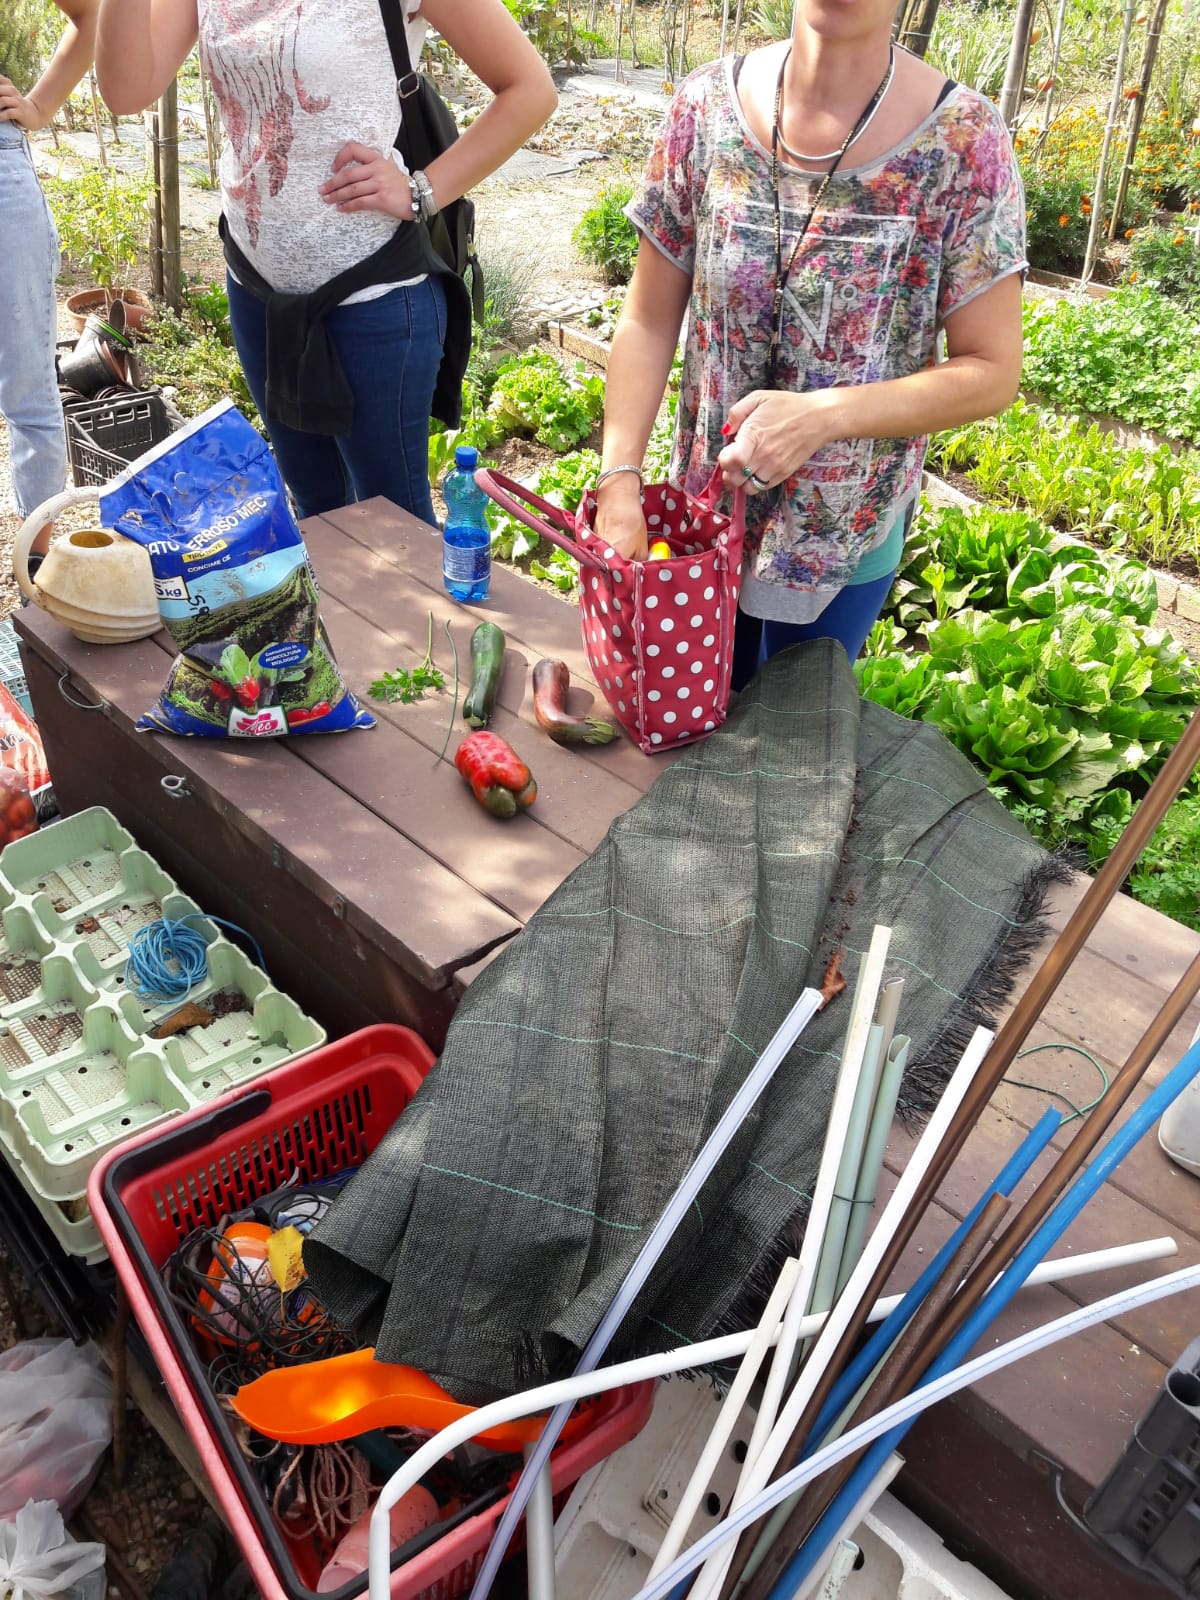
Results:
466 541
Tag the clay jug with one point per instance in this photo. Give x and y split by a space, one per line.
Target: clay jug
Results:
93 581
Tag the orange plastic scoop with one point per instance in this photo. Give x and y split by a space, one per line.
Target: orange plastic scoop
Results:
352 1394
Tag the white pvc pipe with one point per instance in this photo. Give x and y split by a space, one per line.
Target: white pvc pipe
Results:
862 1505
708 1584
731 1408
839 1571
903 1411
712 1351
866 993
539 1542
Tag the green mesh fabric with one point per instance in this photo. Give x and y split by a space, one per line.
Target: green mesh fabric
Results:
485 1237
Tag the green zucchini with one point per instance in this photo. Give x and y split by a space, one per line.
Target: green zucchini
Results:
487 663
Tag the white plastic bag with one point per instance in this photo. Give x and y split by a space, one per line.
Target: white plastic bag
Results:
55 1423
39 1562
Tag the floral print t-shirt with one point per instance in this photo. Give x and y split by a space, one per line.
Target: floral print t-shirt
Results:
896 247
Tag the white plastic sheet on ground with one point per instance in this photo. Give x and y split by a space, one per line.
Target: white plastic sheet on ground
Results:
55 1423
39 1562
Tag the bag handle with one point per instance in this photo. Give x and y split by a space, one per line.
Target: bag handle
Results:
553 524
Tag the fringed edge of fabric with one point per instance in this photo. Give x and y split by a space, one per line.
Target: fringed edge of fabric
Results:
986 992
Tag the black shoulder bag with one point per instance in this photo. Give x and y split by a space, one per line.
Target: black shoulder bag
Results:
427 128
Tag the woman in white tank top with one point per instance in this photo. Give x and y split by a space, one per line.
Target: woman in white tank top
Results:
313 189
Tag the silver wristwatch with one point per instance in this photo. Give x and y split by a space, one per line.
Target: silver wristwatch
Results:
423 197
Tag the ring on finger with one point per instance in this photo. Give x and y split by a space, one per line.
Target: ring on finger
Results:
747 473
761 483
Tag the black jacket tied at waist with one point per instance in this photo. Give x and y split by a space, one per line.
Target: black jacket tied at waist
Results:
306 387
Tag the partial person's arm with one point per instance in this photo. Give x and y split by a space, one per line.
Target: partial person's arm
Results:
487 39
140 46
639 364
776 432
66 66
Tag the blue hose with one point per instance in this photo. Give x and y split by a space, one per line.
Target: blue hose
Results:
1051 1229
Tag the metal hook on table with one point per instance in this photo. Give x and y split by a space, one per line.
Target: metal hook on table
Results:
80 705
175 787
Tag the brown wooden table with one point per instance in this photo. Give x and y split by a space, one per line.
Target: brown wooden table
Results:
377 887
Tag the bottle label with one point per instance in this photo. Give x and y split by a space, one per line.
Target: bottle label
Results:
465 563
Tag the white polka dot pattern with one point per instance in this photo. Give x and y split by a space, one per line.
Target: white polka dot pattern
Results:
659 623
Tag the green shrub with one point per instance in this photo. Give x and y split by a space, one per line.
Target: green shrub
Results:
101 220
606 237
1167 259
551 29
199 366
1056 223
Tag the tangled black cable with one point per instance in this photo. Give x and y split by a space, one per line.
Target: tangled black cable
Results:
246 1322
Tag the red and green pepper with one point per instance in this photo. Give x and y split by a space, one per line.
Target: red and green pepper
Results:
499 779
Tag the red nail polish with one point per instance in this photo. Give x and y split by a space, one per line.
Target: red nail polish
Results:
727 429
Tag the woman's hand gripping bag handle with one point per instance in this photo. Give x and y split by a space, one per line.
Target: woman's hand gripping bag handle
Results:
658 635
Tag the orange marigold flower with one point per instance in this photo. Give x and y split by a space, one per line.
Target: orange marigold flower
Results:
1129 232
1063 221
1133 276
1132 92
1180 238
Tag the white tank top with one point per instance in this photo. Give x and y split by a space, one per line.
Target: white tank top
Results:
295 80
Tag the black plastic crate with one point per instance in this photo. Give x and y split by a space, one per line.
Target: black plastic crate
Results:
104 436
1148 1508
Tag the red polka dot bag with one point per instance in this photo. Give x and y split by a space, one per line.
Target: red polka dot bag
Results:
658 635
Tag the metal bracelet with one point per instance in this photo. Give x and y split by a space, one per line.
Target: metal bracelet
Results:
626 466
423 196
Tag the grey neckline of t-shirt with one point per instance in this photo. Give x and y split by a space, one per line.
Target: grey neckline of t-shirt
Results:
843 172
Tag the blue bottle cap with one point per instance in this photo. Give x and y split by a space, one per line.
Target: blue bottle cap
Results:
467 457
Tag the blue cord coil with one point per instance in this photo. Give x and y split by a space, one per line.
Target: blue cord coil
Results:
168 958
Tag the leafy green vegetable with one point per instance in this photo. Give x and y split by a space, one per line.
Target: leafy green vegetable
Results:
532 395
407 685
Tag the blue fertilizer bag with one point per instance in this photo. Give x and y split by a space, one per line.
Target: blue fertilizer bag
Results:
235 588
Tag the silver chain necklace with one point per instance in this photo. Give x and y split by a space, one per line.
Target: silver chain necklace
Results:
796 155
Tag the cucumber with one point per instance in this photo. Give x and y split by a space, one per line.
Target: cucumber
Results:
487 663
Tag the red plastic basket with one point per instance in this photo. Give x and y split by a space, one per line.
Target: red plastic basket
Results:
314 1116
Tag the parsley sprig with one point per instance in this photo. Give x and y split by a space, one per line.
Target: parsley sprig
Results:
405 685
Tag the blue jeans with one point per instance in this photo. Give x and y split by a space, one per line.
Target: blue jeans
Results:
390 349
848 618
29 263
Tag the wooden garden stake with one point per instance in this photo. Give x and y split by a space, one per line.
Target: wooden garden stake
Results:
1138 112
1010 94
1114 107
97 121
210 140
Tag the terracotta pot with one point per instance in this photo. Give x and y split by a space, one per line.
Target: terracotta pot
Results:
138 306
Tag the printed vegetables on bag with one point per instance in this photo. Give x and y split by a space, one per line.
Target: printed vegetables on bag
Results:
235 588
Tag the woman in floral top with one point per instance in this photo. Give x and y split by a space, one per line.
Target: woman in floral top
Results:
821 209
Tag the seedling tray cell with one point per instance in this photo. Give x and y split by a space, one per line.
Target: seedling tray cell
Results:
78 852
24 945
